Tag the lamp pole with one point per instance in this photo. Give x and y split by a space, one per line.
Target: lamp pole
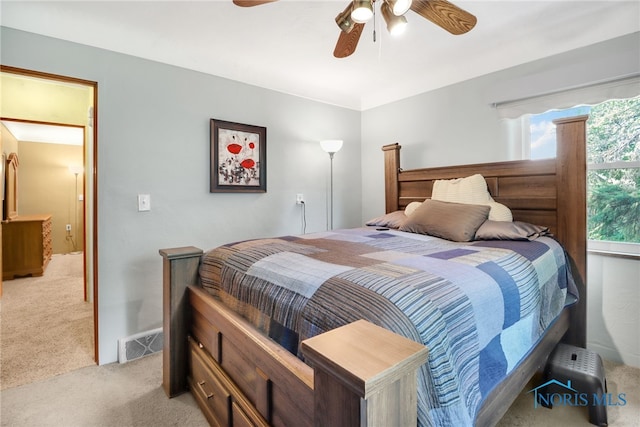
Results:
331 146
331 188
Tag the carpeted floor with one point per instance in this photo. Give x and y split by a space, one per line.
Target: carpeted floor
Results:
46 327
119 395
621 379
131 395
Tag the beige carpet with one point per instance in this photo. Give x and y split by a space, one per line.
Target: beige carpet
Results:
620 379
46 328
114 395
130 394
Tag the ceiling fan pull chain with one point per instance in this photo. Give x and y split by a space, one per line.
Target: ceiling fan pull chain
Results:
374 20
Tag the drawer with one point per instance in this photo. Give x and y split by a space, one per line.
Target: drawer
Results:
207 388
239 417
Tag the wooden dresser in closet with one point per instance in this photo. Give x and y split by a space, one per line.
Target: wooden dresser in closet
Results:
26 246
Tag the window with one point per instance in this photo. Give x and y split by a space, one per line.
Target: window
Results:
613 169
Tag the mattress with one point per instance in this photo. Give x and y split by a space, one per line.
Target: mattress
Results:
480 307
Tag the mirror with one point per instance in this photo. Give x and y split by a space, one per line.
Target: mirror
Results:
11 187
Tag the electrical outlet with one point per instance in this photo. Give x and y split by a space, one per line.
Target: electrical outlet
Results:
68 227
299 199
144 202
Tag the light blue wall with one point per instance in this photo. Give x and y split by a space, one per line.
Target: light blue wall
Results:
153 138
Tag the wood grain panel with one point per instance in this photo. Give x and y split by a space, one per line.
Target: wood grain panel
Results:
263 394
244 349
179 270
207 334
529 203
529 185
416 189
571 134
496 169
391 170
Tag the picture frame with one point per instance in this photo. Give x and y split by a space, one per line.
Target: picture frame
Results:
238 157
3 161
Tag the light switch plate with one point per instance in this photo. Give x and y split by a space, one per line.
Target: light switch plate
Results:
144 202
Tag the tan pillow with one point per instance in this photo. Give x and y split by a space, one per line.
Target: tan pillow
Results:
391 220
451 221
517 230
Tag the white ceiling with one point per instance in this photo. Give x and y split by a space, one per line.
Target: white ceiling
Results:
52 134
287 46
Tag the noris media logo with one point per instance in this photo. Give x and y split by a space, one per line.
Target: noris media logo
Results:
566 395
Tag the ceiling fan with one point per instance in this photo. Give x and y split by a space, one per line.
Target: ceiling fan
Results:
358 12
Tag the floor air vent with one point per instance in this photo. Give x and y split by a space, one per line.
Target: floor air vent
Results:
139 345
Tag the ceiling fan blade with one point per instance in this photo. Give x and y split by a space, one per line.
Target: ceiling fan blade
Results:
347 42
446 15
250 3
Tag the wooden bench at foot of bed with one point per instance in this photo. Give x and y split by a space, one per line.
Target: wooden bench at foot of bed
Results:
362 374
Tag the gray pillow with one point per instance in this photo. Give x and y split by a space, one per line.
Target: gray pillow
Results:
391 220
516 230
452 221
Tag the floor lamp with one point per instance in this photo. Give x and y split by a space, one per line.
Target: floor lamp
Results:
76 170
331 146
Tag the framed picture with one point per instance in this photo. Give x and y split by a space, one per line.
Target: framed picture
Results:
238 157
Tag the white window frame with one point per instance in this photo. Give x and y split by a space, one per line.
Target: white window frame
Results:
605 247
601 247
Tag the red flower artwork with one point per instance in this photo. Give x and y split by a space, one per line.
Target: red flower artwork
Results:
234 148
247 163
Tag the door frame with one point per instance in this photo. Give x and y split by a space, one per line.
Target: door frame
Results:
94 186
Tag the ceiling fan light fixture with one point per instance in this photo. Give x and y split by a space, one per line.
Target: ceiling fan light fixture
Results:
362 11
399 7
344 20
395 24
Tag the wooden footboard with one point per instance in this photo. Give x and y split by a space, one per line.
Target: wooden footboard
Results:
359 374
278 384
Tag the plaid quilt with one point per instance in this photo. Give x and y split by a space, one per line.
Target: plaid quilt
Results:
479 307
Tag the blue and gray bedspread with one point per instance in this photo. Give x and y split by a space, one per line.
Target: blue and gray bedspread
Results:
479 307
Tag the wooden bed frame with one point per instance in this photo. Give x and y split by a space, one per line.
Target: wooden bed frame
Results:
240 377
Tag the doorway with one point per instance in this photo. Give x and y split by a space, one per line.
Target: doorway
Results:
41 98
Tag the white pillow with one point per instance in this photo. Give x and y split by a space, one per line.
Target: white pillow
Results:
471 190
499 212
411 207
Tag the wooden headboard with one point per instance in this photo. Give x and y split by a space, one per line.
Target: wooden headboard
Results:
550 192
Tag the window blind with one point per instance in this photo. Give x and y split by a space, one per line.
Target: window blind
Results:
592 94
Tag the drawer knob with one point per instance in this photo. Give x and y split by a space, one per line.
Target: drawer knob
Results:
201 384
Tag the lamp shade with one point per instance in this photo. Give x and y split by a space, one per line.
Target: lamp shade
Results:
395 24
399 7
331 145
362 11
75 169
